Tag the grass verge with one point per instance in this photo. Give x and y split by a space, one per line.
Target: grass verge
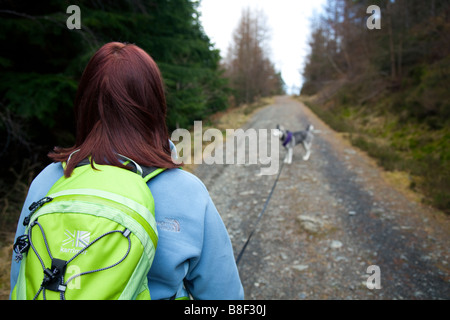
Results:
408 148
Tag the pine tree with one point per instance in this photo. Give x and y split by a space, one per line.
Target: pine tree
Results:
41 62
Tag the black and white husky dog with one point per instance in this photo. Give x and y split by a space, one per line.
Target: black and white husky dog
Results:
291 139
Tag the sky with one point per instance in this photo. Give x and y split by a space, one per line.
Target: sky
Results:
288 21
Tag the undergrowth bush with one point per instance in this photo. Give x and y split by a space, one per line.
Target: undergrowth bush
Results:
398 143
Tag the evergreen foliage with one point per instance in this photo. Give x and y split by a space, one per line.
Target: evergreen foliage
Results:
41 62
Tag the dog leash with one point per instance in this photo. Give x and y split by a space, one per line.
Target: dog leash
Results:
260 215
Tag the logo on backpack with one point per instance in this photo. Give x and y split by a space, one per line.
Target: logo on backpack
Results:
77 239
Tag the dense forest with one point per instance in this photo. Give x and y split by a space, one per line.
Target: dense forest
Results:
388 86
42 59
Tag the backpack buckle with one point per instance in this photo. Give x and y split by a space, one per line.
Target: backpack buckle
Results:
54 276
21 246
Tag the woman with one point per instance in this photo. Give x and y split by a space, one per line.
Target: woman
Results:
120 108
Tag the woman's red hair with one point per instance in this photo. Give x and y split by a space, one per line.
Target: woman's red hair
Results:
120 108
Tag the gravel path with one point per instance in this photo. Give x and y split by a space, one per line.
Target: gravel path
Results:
329 219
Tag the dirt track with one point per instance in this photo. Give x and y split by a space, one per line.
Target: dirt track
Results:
329 219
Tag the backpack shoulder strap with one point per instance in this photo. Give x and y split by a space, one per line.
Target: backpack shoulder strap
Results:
145 172
150 172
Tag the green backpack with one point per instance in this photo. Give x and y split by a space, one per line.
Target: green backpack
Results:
93 237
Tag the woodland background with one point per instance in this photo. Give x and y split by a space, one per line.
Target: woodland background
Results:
386 89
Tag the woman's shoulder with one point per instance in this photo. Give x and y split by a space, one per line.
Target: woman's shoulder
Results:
179 179
49 175
180 196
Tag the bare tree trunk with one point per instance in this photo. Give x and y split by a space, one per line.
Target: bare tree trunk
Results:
399 56
249 69
391 42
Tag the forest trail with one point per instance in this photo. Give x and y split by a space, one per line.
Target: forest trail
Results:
329 219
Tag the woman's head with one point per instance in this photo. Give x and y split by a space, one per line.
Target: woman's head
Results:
120 107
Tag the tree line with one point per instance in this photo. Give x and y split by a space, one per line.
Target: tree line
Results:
411 42
248 66
388 86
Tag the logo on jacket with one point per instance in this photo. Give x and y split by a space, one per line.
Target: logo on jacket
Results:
170 225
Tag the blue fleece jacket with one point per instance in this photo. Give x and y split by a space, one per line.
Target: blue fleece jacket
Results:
194 249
